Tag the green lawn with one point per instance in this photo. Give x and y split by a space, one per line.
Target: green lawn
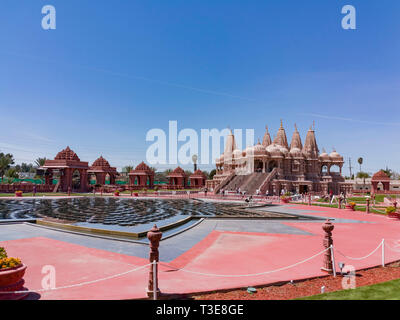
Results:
382 291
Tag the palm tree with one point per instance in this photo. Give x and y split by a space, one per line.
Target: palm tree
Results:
127 169
360 161
40 161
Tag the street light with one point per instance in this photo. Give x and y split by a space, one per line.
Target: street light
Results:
194 159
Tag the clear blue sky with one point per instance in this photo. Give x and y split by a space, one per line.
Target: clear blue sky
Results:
112 70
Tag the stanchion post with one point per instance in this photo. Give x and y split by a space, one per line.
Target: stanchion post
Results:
333 261
155 284
327 243
367 207
383 252
154 236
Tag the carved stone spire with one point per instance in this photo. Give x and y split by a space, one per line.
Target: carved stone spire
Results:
230 144
296 140
267 138
280 138
310 146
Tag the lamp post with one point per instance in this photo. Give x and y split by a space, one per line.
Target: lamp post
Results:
194 159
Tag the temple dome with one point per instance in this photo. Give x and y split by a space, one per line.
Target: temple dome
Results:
67 154
275 149
296 152
249 150
237 153
335 156
259 149
324 155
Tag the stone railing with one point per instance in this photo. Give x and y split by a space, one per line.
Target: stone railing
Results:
224 182
25 187
264 185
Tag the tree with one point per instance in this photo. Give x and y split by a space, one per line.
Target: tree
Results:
188 172
6 160
363 175
11 174
212 174
360 161
127 169
40 161
25 167
388 172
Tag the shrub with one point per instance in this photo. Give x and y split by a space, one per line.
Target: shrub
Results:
390 210
6 263
3 253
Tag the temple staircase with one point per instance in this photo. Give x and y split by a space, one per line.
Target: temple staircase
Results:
254 182
265 184
224 182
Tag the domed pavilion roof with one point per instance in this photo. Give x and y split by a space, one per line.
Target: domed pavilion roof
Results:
142 167
67 154
101 162
178 172
335 156
198 174
380 176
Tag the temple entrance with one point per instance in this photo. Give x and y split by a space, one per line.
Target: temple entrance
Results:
258 166
272 165
303 188
76 180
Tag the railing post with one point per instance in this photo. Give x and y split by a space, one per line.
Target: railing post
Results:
154 236
383 252
328 264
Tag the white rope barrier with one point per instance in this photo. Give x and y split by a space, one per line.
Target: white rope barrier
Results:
360 258
77 284
397 244
248 275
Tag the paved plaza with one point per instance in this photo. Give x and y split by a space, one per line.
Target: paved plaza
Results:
214 254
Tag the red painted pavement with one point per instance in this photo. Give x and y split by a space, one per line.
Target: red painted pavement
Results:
221 253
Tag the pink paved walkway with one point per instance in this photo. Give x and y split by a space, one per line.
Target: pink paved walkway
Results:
221 253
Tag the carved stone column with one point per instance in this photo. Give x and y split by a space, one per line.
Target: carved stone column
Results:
327 242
